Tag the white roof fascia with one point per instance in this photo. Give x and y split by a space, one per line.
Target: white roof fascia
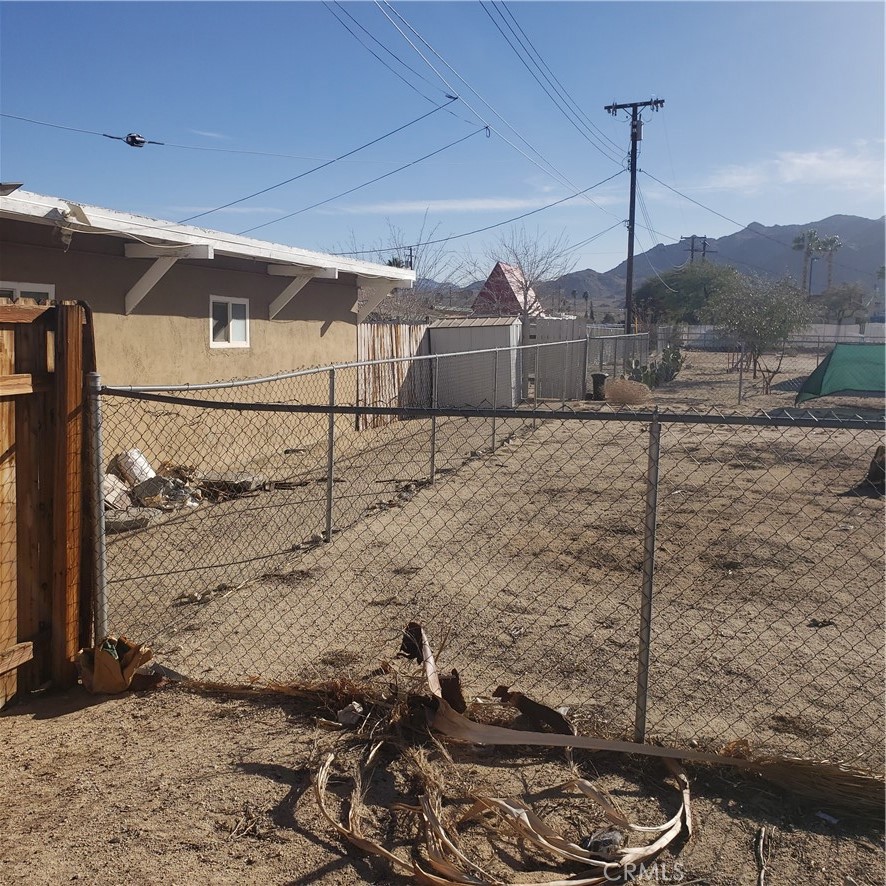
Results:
53 210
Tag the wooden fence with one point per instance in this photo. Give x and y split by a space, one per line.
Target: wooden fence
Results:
46 548
391 384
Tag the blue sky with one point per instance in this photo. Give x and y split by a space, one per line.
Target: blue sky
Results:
774 113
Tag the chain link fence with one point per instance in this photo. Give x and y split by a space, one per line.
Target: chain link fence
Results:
688 577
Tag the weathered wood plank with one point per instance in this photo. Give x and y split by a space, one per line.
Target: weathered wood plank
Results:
22 383
89 545
35 459
68 492
22 313
8 582
15 656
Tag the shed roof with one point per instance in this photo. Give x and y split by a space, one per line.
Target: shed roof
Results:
460 322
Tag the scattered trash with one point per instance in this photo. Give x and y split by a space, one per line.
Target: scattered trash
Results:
115 492
152 488
127 519
821 623
133 467
109 667
185 473
132 481
350 715
828 818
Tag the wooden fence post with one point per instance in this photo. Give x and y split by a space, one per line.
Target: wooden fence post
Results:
68 489
8 580
35 455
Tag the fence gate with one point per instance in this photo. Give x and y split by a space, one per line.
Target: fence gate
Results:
44 618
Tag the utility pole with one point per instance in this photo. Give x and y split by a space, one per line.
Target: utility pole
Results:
636 136
705 249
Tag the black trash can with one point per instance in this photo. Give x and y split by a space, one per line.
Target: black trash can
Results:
599 382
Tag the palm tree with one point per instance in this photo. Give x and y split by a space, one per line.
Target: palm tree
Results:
809 244
829 246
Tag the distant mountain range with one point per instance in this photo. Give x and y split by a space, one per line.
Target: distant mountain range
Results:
755 249
759 249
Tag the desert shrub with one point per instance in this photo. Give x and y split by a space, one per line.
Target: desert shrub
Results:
627 392
658 373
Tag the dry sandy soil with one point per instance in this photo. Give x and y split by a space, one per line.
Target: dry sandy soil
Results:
768 626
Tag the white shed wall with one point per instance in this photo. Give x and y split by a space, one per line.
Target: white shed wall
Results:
471 379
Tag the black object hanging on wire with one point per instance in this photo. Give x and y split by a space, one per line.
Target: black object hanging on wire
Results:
134 140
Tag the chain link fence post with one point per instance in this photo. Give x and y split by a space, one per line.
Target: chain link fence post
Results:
494 394
97 509
435 369
587 360
330 456
648 577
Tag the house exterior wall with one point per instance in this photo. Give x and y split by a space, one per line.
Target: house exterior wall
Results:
166 338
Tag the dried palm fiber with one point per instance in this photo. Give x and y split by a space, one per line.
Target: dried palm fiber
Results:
842 786
449 864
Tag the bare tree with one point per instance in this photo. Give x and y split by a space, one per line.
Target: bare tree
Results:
433 264
536 257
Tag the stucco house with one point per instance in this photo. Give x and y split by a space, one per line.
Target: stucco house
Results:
176 303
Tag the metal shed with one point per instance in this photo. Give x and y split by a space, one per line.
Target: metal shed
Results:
477 379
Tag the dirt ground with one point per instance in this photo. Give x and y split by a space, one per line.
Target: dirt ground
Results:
172 787
526 564
768 612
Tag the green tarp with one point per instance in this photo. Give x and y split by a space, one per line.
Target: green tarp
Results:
848 369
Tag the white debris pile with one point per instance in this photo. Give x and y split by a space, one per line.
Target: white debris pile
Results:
136 495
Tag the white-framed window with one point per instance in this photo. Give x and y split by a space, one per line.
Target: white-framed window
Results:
15 291
228 322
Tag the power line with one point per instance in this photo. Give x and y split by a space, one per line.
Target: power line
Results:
316 168
365 184
167 144
552 171
482 230
375 55
557 100
563 91
649 262
378 43
587 241
649 226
